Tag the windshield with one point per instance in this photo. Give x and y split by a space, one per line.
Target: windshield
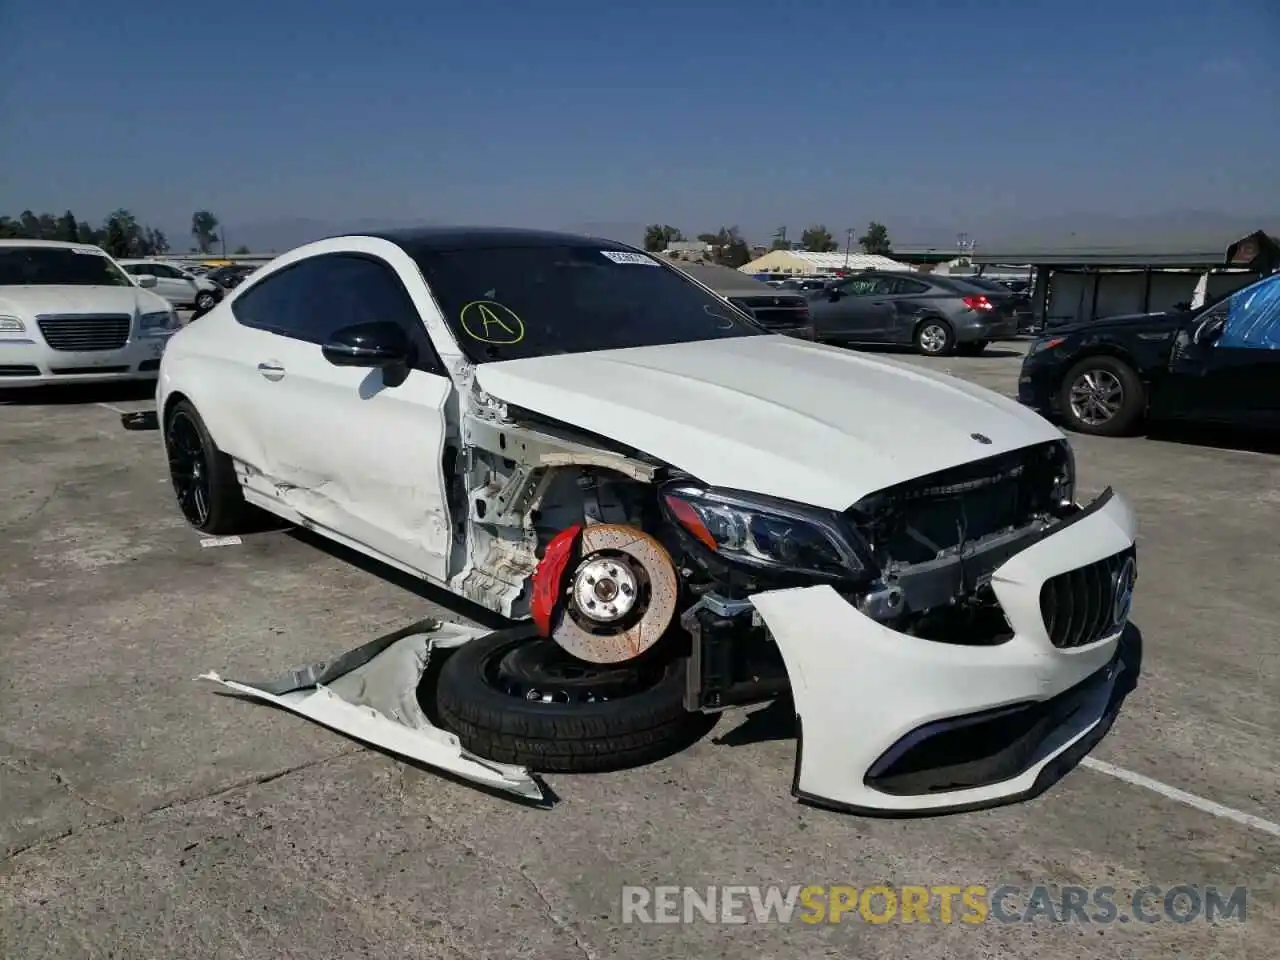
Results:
61 266
509 303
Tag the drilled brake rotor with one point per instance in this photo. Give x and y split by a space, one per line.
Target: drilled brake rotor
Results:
621 597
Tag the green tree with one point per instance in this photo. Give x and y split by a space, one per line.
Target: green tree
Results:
727 246
121 235
780 241
68 227
818 239
10 229
204 227
242 250
876 239
30 225
154 242
659 236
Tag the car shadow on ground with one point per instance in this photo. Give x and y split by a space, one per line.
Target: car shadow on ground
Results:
78 393
411 584
1216 436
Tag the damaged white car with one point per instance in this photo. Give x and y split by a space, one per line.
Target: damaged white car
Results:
686 513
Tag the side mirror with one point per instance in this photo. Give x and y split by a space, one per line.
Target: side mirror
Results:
1209 331
371 345
146 280
833 294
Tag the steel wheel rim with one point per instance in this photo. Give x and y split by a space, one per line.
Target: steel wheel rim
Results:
933 338
539 671
1096 396
204 301
188 468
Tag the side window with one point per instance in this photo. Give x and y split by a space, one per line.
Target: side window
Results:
158 270
314 298
862 287
909 288
1253 317
131 268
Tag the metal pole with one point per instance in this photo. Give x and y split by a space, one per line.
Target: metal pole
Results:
848 244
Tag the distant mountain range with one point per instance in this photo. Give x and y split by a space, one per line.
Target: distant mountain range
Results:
1189 229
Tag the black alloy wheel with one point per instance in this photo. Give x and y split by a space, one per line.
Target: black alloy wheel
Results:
189 468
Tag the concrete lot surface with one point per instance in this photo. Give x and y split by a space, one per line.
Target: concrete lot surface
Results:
145 816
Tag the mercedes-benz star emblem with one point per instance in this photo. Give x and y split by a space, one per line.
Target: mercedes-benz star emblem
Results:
1126 577
981 437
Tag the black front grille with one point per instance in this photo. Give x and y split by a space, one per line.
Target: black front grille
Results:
1079 606
85 331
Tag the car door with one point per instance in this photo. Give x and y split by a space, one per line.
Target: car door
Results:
1227 367
845 311
903 297
171 284
354 455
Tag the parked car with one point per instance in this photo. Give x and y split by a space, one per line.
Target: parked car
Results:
937 315
1219 363
176 284
231 276
775 310
686 511
68 313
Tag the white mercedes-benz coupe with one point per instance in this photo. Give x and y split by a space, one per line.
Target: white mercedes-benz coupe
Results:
68 314
683 512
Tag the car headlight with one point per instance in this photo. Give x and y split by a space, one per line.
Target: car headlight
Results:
158 323
766 533
1045 343
11 325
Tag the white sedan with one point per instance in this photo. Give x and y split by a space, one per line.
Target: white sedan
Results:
68 314
684 512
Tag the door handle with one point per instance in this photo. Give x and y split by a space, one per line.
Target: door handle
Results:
271 370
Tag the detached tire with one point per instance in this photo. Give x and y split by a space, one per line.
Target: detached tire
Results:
557 737
1103 396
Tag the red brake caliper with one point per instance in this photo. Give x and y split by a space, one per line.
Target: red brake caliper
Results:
548 578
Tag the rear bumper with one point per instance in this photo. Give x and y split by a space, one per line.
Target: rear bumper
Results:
986 328
893 724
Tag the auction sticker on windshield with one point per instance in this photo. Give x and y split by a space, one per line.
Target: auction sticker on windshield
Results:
623 256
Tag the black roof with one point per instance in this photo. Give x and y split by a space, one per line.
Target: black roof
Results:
427 239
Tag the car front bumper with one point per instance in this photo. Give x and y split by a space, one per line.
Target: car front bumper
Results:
892 724
28 363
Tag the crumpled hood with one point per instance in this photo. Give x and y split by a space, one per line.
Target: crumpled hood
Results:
28 301
772 415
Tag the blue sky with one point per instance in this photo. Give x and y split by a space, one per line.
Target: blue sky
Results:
924 113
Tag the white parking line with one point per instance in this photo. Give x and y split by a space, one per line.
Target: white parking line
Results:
1181 796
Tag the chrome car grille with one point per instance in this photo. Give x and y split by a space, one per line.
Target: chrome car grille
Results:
1081 606
85 331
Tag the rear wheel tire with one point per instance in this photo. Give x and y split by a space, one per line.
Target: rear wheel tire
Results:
204 478
971 349
1103 396
490 693
934 338
206 301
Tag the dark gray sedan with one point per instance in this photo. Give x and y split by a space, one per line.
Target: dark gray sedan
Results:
937 315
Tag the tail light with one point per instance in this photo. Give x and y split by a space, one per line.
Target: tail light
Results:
978 302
